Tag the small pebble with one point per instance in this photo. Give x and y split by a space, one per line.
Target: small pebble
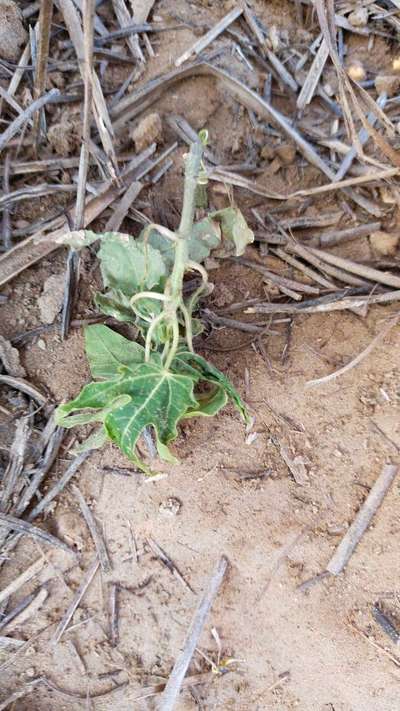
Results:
356 71
170 507
286 153
41 344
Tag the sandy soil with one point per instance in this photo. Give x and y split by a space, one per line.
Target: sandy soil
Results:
231 494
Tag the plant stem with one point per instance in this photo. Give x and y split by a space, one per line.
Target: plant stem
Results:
174 288
192 168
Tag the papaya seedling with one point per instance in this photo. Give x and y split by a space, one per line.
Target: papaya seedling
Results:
161 381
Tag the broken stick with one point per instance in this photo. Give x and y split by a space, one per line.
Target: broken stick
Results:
210 36
364 517
181 665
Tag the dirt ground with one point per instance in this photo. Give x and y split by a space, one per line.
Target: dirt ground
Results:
317 649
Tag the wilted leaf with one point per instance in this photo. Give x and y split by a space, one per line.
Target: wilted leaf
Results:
130 266
234 228
114 303
78 238
205 237
108 352
158 241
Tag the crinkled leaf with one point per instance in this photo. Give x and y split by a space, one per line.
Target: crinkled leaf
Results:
84 238
153 397
206 236
114 303
108 352
235 229
130 266
197 367
158 241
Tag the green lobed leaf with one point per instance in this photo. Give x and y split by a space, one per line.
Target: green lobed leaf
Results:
108 352
130 266
152 396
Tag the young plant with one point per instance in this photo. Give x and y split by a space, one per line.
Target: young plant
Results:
162 382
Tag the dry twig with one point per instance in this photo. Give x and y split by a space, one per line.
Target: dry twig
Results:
99 543
174 684
75 602
363 519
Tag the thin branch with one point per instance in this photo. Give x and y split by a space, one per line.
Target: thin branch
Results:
45 17
91 572
17 124
23 578
99 543
210 36
174 684
59 486
72 272
16 524
364 517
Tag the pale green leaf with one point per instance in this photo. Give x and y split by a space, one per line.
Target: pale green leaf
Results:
114 303
130 266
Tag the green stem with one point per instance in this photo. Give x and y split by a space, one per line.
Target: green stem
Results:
192 168
174 346
188 326
155 322
175 286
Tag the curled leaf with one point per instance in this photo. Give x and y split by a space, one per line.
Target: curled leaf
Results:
197 367
114 303
235 230
130 266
